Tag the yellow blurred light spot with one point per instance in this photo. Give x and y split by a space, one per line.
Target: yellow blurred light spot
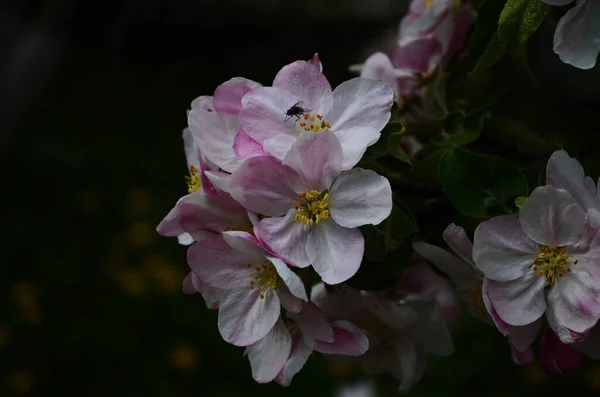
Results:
20 382
141 200
25 297
593 379
166 276
4 336
534 373
183 357
131 281
342 368
142 234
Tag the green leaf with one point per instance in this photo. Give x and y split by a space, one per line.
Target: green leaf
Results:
399 225
516 135
492 54
427 169
462 129
519 20
394 148
532 19
479 185
375 249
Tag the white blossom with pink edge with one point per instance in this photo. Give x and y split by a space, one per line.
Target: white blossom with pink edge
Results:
216 125
255 285
356 111
312 208
212 296
543 261
284 351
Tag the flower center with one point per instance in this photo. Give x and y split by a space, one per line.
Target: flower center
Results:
314 207
313 123
193 181
552 262
428 3
263 277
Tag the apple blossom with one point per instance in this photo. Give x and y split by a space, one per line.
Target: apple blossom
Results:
356 111
312 209
255 285
544 260
577 36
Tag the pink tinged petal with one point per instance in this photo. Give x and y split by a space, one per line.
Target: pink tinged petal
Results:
313 324
360 197
557 358
204 102
291 280
412 363
501 250
316 62
228 96
285 237
419 54
264 114
199 235
349 340
245 147
317 160
335 251
191 149
188 285
339 301
566 335
522 358
214 133
361 108
219 179
246 243
259 184
288 301
245 317
464 17
459 272
379 67
566 173
170 226
268 356
521 338
502 326
216 263
457 239
389 312
520 301
212 296
212 213
550 217
303 80
577 36
186 239
575 301
279 145
298 357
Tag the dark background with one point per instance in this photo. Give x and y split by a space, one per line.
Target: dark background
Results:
93 98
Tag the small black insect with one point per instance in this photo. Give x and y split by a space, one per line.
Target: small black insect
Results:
295 111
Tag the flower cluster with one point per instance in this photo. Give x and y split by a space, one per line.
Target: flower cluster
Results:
537 272
273 195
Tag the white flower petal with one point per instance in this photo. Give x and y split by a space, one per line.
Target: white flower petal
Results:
268 356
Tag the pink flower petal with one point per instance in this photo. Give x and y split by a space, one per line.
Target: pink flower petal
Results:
245 147
216 263
304 81
335 251
360 197
286 237
522 338
349 340
520 301
337 301
419 54
313 324
412 362
430 330
188 285
263 115
564 172
212 296
219 179
228 96
288 301
556 357
501 250
268 356
550 217
298 357
389 312
291 280
259 184
245 318
457 239
317 160
361 108
212 213
459 272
